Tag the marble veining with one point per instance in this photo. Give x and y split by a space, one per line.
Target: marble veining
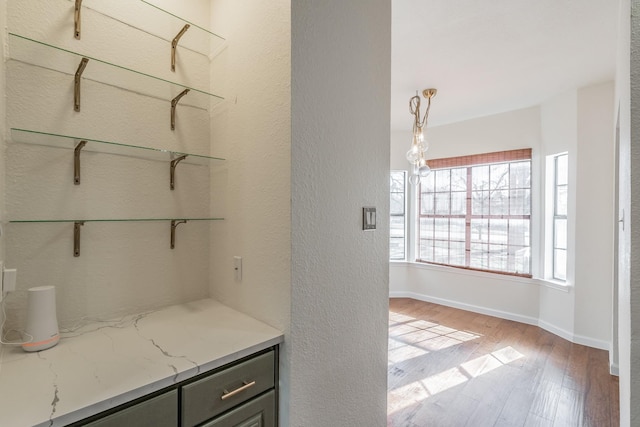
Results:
53 403
56 399
163 351
100 365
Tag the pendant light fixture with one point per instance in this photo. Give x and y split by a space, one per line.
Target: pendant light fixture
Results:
419 145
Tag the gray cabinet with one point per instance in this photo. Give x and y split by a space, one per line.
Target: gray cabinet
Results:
159 411
259 412
240 394
219 392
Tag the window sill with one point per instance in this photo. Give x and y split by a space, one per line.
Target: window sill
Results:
553 284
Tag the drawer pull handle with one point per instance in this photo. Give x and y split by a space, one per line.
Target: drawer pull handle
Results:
228 394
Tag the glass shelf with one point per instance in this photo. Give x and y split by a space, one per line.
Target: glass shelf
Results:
217 36
158 22
79 223
107 147
34 52
42 221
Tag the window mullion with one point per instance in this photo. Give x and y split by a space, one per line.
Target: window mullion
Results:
496 218
467 221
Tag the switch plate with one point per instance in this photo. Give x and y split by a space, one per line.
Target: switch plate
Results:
368 218
9 276
7 280
237 268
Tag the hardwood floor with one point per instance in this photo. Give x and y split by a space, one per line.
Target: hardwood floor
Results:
449 367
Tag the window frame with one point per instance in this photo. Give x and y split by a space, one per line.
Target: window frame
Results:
402 215
468 163
556 216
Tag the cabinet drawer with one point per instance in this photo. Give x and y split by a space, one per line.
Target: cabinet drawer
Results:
212 395
260 412
160 411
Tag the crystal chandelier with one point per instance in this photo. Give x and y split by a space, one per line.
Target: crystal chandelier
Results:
419 144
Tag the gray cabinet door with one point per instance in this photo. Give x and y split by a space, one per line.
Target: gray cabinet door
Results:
206 398
159 411
260 412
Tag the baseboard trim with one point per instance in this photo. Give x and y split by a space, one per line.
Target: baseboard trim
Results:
468 307
569 336
562 333
574 338
614 369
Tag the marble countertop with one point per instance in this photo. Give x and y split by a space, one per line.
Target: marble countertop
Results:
105 364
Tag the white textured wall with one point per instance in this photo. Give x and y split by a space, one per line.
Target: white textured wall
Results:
340 163
628 90
499 132
252 130
558 119
594 208
399 141
3 24
124 267
627 358
499 295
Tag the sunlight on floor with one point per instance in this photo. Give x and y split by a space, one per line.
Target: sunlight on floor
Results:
420 390
411 338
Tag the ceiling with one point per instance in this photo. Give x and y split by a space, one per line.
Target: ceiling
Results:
491 56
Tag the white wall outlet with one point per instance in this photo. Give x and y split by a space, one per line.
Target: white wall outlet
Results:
237 268
9 276
7 280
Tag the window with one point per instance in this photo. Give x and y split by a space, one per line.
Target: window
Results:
475 212
560 186
397 222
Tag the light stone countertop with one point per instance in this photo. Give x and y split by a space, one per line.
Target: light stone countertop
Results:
105 364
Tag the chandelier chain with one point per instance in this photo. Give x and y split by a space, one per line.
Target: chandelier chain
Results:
414 108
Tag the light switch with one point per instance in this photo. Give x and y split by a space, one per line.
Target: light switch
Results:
368 218
237 268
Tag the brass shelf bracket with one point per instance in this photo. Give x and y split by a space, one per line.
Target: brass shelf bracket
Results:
77 20
76 86
76 162
174 104
76 237
174 163
175 223
174 45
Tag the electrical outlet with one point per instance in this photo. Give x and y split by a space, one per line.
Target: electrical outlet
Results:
237 268
7 280
9 276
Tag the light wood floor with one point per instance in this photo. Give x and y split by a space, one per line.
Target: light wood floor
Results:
450 367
